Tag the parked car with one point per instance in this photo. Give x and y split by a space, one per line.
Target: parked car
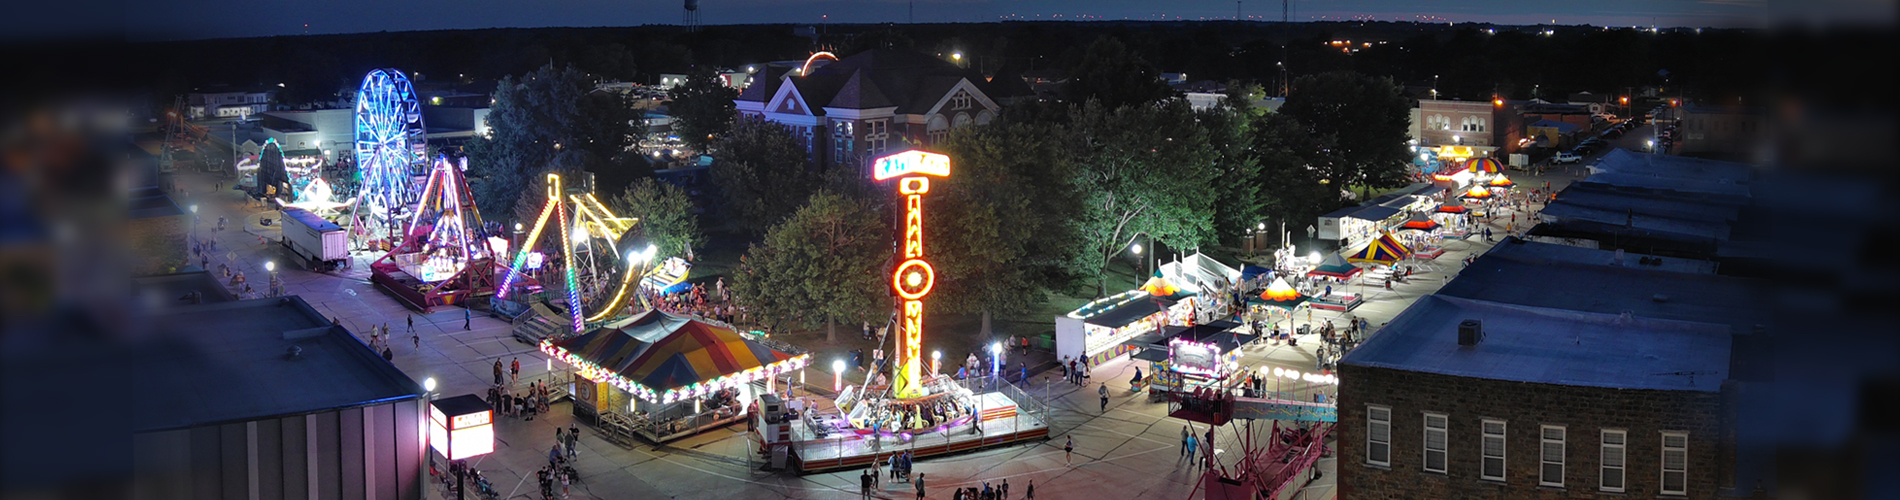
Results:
1567 157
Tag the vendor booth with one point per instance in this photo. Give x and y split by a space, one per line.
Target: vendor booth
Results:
667 376
1336 267
1276 303
1097 331
1200 273
1182 358
1453 221
1383 251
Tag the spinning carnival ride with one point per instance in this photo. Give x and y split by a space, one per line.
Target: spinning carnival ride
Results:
446 255
600 266
390 147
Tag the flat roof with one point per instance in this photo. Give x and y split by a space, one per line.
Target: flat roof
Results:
1630 217
1680 167
1550 346
1670 184
1524 250
228 362
1543 275
165 290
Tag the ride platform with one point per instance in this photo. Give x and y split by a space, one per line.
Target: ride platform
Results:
824 442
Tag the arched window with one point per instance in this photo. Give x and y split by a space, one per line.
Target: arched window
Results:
937 129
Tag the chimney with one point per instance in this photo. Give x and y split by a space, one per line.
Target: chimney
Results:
1470 332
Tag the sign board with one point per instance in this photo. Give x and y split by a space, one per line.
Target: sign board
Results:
909 163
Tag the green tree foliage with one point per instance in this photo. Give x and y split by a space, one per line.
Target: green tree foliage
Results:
1367 119
1237 166
665 213
824 265
998 227
764 172
1293 185
704 109
1114 75
1143 170
544 114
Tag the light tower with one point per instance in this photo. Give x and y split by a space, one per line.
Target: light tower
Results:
913 277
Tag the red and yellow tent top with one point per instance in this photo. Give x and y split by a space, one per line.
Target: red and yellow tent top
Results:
1281 295
1384 250
1484 166
1160 287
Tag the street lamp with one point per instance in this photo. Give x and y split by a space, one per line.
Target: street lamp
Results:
996 359
428 385
271 267
837 375
936 362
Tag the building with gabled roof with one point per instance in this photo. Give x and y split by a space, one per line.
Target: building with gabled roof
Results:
874 102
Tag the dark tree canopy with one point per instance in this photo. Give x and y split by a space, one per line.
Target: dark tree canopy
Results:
544 115
1367 119
764 172
704 109
1112 74
1000 223
824 265
666 215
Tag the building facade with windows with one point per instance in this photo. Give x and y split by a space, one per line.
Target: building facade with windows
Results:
228 102
1489 127
857 108
1620 382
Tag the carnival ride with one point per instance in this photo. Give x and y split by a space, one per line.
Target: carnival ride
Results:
390 147
1258 470
446 255
599 272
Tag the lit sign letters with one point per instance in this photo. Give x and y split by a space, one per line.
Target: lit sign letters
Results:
911 162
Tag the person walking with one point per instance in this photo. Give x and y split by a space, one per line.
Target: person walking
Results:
1191 446
1068 451
1103 390
412 324
498 372
920 485
417 340
1003 491
514 371
466 318
1029 492
1184 440
864 484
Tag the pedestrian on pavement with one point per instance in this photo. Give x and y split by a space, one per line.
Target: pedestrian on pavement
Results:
412 324
1068 451
465 318
1103 390
497 372
1003 491
514 371
417 339
1029 492
1191 445
920 485
1024 368
389 355
554 455
1184 440
864 484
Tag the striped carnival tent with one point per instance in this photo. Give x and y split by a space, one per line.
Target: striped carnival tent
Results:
1500 181
1385 250
1159 286
1484 166
657 353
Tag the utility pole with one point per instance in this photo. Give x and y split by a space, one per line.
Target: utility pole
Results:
1236 10
1286 28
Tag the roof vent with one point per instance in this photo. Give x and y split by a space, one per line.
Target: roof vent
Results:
1470 332
293 352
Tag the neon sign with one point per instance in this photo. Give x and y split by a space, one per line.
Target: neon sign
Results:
913 277
911 162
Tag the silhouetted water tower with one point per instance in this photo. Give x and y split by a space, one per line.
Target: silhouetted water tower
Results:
691 15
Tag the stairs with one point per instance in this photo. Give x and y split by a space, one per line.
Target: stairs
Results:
540 322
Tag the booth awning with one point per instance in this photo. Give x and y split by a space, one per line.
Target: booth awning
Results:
1335 266
665 357
1451 209
1130 312
1280 294
1385 250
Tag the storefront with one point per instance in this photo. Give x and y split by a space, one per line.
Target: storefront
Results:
665 376
1097 331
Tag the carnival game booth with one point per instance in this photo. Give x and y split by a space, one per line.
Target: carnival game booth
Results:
1276 303
1453 221
1097 331
1424 236
1334 267
667 376
1184 358
445 257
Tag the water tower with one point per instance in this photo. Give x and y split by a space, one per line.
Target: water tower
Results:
691 16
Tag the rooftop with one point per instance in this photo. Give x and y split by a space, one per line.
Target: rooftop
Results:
228 362
1550 346
1554 276
1624 161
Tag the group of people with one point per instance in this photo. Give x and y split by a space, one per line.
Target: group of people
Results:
524 404
697 301
998 492
1075 371
892 416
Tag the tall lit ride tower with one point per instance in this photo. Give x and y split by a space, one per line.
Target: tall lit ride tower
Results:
913 276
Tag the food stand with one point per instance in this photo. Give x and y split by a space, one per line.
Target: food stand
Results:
1097 331
1183 358
671 376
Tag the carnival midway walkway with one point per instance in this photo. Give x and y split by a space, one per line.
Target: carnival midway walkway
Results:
1129 451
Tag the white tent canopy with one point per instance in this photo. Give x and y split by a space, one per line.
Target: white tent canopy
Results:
1199 273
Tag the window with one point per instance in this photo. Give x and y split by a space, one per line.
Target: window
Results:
1675 463
1612 460
1492 467
960 101
876 135
1378 436
841 147
1435 441
1552 473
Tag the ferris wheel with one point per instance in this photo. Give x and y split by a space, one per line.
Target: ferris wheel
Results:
389 141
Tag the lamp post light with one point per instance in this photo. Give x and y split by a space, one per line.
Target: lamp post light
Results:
271 267
837 375
936 362
996 359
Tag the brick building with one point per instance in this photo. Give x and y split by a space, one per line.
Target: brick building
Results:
1590 376
1727 131
859 107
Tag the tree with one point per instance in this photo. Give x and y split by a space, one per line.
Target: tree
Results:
1110 73
823 265
665 212
1237 167
1366 117
704 109
1145 170
999 225
1293 185
539 116
764 172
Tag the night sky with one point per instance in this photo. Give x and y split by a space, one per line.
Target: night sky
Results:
172 19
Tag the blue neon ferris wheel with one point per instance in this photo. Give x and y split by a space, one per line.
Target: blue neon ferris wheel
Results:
389 141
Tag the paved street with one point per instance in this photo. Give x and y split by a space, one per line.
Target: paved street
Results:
1130 451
